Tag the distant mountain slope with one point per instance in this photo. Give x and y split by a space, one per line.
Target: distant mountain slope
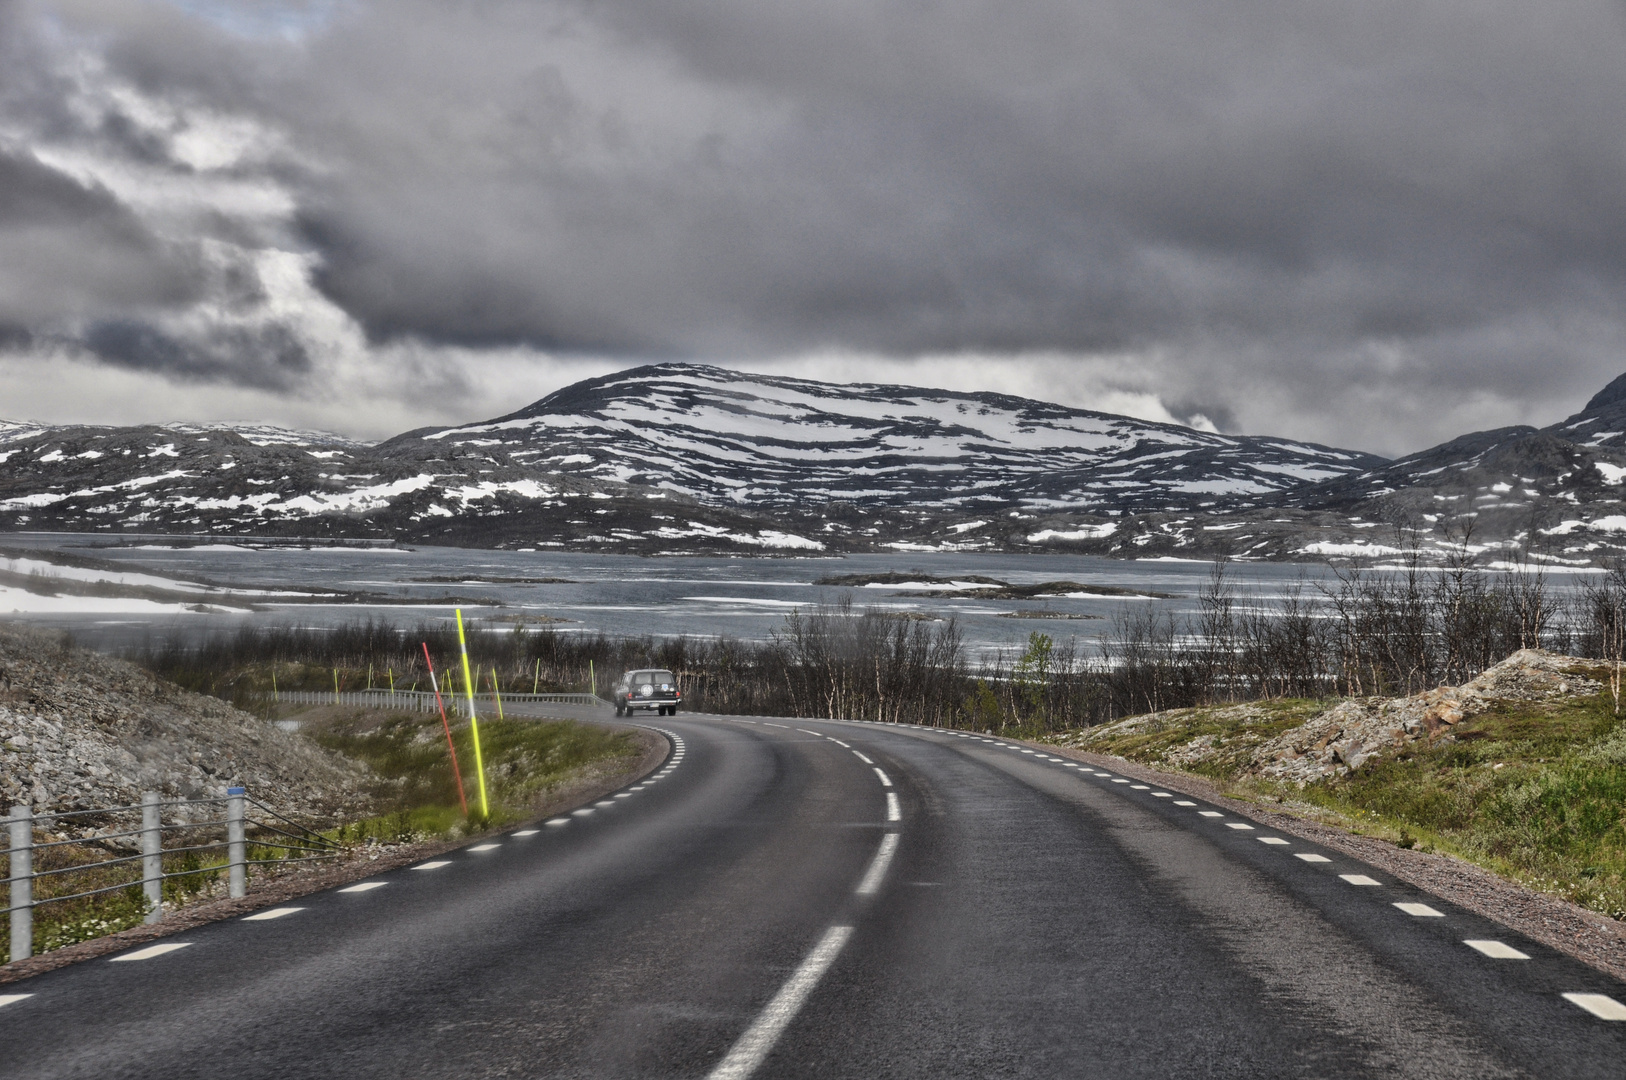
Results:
730 438
1555 490
689 458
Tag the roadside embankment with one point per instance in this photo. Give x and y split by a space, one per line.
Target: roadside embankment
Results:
1506 794
80 730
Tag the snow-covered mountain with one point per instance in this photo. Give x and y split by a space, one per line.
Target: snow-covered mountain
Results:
688 458
752 441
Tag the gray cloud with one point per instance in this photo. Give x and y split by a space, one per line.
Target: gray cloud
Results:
1345 223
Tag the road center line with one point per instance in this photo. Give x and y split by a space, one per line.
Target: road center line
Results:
878 865
754 1046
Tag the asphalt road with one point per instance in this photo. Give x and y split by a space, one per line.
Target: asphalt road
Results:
820 899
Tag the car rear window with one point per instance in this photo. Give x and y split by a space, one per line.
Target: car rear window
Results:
654 677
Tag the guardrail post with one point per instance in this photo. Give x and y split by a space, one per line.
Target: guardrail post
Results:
235 854
152 855
21 895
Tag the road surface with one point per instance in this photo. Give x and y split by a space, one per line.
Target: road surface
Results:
822 899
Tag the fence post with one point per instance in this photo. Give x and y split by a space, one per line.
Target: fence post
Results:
152 856
21 901
235 855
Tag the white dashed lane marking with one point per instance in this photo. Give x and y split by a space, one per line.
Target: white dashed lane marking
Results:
436 865
1602 1006
759 1038
877 867
1119 780
1184 802
1210 813
1275 840
1360 879
557 821
1421 911
150 951
1308 856
864 759
273 913
1161 795
527 832
9 999
1239 825
885 780
1140 787
893 813
485 847
624 795
365 886
1496 950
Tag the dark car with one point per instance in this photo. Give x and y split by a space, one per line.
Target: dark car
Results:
649 689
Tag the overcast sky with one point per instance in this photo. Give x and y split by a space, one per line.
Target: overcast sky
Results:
1373 224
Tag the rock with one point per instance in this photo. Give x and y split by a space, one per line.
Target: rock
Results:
79 731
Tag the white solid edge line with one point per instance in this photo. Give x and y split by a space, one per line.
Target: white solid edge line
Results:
7 999
885 781
754 1046
893 812
436 865
1602 1006
150 951
1496 950
878 865
272 913
365 886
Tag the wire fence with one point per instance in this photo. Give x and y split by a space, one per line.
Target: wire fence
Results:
81 855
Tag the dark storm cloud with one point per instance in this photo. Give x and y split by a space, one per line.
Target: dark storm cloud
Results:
1266 200
67 250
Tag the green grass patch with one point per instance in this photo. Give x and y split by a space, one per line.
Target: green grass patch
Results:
1535 792
524 761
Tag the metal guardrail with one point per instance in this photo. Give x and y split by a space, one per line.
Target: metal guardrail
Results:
424 700
295 841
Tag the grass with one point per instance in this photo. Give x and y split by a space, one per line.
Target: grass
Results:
1534 792
524 761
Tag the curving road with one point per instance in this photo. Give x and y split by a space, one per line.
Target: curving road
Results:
823 899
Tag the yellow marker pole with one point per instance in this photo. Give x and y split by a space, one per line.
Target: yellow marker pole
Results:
274 696
592 680
369 676
536 682
391 673
335 686
497 690
474 724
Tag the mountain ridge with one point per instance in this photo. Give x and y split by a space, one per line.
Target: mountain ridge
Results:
690 458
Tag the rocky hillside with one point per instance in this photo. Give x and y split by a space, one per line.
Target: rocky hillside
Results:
79 730
1305 742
